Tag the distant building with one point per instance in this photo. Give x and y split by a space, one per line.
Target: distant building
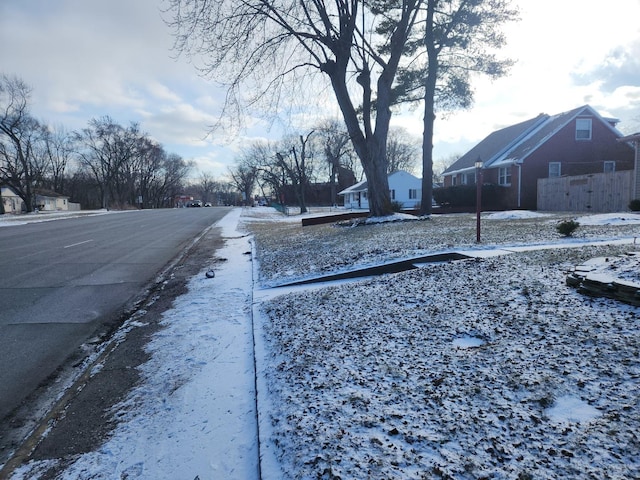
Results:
404 188
11 202
180 201
50 201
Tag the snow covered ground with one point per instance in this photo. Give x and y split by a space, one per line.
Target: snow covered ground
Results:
482 368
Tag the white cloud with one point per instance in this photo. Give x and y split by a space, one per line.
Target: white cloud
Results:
180 124
162 92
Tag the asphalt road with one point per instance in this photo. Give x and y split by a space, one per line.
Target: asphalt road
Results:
64 280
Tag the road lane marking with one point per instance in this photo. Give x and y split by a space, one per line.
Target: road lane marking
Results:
76 244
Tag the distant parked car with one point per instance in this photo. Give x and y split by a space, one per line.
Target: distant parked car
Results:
195 203
207 204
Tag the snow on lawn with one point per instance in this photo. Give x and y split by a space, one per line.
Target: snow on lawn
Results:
288 252
514 215
610 219
489 368
370 381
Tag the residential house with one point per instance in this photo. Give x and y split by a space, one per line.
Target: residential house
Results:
45 201
404 188
11 202
576 142
50 201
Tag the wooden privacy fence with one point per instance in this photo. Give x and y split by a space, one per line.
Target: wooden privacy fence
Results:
597 192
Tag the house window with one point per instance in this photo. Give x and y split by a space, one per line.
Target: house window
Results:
583 129
392 194
413 194
609 167
454 180
469 178
555 169
504 176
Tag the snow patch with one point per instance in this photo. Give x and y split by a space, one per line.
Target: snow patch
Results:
467 342
610 219
514 215
570 408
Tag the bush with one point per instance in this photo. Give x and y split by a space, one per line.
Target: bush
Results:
634 205
396 206
567 227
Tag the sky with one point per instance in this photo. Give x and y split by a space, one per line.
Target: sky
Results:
86 59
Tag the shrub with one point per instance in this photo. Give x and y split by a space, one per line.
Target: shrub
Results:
396 206
634 205
567 227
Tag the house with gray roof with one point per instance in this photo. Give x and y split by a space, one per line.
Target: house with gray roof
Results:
576 142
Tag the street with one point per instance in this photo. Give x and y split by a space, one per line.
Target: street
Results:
67 281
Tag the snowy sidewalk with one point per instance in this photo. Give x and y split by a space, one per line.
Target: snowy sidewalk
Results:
193 414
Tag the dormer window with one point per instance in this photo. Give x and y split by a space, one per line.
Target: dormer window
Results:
583 129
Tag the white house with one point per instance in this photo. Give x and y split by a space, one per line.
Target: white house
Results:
11 201
48 201
45 201
404 188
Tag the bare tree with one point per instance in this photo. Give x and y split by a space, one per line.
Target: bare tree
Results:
225 192
21 161
271 174
259 157
59 151
244 176
336 146
107 150
298 168
403 151
147 169
169 182
263 43
207 186
441 164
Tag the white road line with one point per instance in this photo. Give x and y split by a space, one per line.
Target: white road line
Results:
76 244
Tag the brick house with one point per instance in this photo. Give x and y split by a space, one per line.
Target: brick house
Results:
576 142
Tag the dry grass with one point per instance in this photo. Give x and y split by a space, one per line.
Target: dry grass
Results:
288 251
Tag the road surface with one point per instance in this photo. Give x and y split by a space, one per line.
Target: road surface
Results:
66 281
